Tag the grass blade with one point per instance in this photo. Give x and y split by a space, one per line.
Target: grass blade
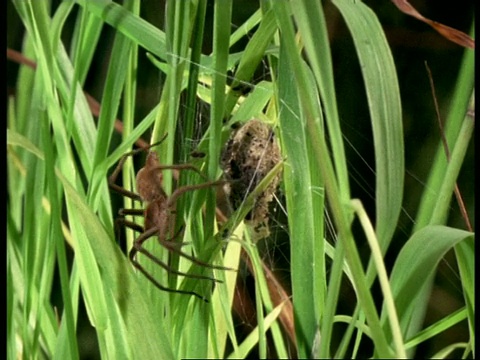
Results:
415 266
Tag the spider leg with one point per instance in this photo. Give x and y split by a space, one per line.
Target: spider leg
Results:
180 167
121 221
135 212
130 224
171 201
172 247
113 178
181 190
138 248
160 286
177 244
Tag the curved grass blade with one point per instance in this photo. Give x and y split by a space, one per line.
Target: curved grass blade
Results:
415 266
383 94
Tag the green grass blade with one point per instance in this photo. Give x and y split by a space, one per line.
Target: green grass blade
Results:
221 36
12 295
313 28
415 266
193 74
133 27
300 221
252 57
465 252
253 338
445 352
436 328
86 35
383 94
82 126
263 301
382 277
62 348
111 99
246 27
221 312
254 104
128 120
55 236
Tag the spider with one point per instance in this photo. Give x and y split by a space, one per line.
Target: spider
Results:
159 214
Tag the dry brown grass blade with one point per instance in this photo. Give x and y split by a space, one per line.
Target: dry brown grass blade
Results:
451 34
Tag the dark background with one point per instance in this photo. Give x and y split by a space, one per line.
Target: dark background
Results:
413 43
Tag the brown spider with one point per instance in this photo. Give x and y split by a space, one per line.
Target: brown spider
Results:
159 214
